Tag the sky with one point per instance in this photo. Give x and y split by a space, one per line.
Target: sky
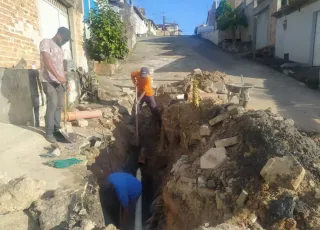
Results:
187 13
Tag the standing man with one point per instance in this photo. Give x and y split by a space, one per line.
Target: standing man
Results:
128 190
142 80
54 79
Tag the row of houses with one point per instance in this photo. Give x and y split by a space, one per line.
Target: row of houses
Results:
288 29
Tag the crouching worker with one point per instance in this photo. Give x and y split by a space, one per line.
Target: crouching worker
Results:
142 80
128 190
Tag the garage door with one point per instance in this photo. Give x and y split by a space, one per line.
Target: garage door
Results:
262 29
316 56
52 16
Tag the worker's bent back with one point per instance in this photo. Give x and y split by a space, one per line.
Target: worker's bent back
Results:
127 187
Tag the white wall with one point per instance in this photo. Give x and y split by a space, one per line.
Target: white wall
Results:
153 31
296 39
211 36
139 24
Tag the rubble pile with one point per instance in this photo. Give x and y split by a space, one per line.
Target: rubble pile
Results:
223 164
209 82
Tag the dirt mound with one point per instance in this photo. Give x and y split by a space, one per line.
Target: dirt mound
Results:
212 195
205 79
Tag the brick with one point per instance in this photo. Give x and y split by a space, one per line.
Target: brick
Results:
213 158
226 142
219 118
284 172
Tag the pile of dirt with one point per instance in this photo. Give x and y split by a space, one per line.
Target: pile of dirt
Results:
191 196
208 82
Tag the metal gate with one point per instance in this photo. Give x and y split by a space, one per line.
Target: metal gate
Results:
52 16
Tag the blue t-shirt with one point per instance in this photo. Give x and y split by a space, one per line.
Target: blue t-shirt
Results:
127 187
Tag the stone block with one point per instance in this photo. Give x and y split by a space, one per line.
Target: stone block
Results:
242 198
17 221
226 142
211 184
213 158
197 72
317 193
82 123
188 180
201 182
219 118
205 130
221 88
19 194
285 172
237 111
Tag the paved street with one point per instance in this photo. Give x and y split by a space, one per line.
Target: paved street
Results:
172 58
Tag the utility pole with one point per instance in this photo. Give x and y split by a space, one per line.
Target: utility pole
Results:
174 24
164 24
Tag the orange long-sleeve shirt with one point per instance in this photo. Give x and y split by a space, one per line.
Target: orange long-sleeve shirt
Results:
143 84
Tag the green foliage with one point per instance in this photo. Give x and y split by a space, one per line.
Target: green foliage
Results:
227 18
107 34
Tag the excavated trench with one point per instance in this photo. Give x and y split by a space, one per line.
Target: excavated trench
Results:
122 156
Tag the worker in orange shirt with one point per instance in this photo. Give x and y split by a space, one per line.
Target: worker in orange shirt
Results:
142 80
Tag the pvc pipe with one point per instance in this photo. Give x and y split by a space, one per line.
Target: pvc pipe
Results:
188 96
77 115
138 216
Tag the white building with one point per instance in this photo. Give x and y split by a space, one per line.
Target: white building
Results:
298 32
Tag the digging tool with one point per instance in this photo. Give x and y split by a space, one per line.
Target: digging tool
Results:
68 134
137 119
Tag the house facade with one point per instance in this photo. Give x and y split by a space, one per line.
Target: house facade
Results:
298 32
169 29
26 23
265 29
152 27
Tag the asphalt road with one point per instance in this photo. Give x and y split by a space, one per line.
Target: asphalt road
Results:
173 58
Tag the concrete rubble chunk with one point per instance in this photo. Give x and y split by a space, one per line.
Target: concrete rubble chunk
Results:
285 172
213 158
211 184
188 180
219 118
82 123
201 182
197 72
205 130
219 202
289 122
221 87
317 193
54 212
242 198
17 221
237 111
227 142
19 194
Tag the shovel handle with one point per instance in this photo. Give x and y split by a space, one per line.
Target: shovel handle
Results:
65 109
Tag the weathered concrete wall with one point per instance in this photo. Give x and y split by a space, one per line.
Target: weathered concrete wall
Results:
22 98
16 96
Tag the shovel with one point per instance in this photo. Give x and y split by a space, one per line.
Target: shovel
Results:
68 134
137 120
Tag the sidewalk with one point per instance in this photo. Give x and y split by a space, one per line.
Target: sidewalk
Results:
19 155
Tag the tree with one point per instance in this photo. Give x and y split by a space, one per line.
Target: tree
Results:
228 18
107 34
